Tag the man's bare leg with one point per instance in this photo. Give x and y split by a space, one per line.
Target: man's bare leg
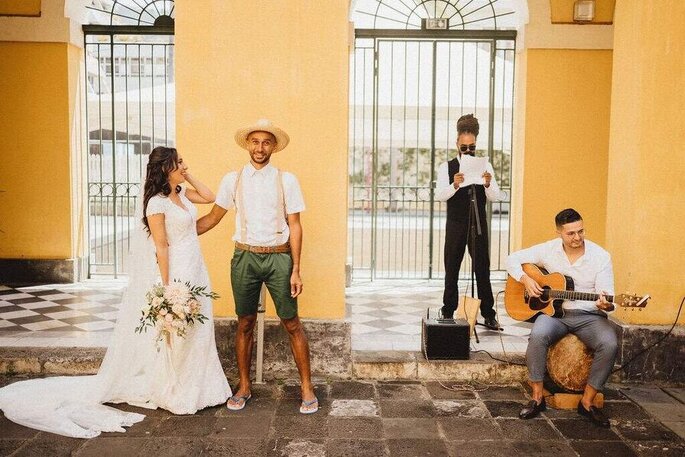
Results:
243 351
589 395
537 393
300 349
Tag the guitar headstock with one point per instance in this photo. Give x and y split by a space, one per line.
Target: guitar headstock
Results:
631 300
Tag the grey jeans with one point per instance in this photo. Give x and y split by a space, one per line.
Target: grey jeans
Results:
592 329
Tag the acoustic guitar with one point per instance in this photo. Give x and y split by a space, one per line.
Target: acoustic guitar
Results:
556 288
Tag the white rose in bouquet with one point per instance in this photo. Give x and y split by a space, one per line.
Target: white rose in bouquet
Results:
177 293
177 310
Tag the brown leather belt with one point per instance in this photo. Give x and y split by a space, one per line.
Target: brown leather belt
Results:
263 249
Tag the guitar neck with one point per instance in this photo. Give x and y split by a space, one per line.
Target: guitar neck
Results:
574 295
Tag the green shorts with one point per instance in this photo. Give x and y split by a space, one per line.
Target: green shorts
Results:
249 270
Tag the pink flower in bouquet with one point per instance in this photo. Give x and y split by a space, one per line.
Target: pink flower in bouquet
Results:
194 306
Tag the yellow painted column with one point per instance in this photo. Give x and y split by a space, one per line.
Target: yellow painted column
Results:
563 87
646 203
41 141
35 207
566 139
241 60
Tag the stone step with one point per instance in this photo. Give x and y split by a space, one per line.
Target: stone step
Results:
365 365
333 358
414 366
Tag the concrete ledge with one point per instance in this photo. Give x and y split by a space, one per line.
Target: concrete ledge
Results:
384 365
332 357
661 363
413 366
37 271
50 361
329 343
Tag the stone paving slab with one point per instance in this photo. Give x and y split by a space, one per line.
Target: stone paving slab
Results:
371 418
676 392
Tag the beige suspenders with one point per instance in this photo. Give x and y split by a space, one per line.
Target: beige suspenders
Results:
281 203
238 199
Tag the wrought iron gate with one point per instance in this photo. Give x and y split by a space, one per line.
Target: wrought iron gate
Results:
130 101
407 89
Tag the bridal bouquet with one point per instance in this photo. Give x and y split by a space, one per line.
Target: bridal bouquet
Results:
172 309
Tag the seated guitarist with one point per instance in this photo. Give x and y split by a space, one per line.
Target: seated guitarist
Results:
590 268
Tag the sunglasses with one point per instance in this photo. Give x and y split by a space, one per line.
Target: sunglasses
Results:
468 147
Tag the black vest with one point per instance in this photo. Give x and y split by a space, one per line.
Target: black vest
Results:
459 204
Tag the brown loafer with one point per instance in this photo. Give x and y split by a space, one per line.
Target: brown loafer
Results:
532 409
595 415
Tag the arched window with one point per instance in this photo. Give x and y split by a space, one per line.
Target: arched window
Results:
131 12
456 14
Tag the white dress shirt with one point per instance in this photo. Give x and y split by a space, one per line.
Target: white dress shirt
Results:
262 209
444 190
592 272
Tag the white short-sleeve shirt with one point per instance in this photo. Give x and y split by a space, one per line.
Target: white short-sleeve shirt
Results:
260 201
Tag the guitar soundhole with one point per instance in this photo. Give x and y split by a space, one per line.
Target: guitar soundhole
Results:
540 302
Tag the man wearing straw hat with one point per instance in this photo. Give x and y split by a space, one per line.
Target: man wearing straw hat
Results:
268 243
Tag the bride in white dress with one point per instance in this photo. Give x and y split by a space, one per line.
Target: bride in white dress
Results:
183 378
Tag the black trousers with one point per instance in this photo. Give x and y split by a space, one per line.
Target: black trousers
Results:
456 235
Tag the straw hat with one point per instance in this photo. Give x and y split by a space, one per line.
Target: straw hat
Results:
262 125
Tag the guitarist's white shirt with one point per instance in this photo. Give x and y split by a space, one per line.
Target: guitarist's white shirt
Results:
592 272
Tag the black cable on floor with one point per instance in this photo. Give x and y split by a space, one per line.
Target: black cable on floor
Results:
622 367
498 359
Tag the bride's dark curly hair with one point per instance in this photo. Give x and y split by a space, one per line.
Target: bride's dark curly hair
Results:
162 161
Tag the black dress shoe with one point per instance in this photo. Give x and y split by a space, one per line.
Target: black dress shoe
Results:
595 415
491 322
532 409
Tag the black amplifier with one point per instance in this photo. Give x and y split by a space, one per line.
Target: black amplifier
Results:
445 338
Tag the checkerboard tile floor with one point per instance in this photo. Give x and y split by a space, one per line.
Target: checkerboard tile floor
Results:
64 308
386 316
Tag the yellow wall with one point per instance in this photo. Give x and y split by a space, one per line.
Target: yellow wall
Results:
239 61
562 11
566 140
20 7
35 209
646 203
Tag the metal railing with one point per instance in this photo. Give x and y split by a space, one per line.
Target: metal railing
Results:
405 97
130 110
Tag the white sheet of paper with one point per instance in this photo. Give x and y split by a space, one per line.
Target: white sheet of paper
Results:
473 169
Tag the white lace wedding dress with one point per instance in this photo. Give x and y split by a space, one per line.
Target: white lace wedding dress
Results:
182 379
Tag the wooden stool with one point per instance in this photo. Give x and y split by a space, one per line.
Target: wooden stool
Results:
568 364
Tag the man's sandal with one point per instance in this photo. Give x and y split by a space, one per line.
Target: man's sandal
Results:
309 407
238 402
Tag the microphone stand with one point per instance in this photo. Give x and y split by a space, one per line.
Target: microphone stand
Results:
473 231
